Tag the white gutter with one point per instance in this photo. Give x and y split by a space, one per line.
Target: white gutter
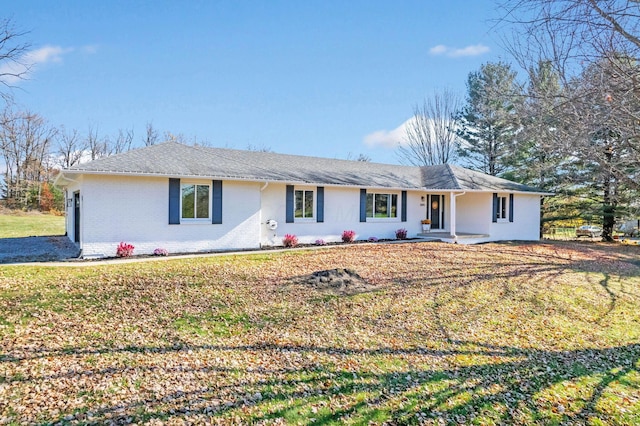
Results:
62 176
242 179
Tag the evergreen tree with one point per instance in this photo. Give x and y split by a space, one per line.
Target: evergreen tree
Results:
488 123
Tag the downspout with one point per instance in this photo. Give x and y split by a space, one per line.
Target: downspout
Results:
453 215
261 223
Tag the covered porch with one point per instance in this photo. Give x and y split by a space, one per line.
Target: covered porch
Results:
457 217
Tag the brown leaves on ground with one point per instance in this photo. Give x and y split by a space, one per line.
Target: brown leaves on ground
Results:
487 334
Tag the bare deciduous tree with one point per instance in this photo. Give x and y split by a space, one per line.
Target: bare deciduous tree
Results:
26 140
259 148
593 47
122 142
151 136
12 51
364 158
174 137
96 145
70 148
430 135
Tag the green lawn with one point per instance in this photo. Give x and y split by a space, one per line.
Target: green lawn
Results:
489 334
30 224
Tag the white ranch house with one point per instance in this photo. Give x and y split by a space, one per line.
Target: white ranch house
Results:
195 199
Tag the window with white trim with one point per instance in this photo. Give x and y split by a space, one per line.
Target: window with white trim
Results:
195 201
503 208
382 205
304 204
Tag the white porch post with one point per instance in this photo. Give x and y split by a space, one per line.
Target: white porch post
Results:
452 203
452 209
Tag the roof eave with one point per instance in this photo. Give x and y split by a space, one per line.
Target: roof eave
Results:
62 180
460 190
232 178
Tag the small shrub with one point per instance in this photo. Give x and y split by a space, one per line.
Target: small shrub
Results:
373 239
160 252
124 250
401 234
348 236
290 240
56 212
46 198
321 242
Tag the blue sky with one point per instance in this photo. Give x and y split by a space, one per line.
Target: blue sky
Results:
321 78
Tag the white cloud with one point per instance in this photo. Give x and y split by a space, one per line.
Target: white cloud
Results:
387 138
26 64
454 52
438 50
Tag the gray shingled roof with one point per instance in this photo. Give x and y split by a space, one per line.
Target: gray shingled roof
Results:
177 160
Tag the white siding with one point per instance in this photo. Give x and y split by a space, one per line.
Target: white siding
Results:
341 212
136 211
474 215
526 220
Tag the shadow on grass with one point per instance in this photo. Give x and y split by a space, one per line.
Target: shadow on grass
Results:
498 384
542 267
458 382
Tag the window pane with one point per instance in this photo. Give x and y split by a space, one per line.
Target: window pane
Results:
299 195
202 203
308 204
188 200
503 207
382 205
369 205
394 205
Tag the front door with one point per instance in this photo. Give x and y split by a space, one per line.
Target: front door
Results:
435 211
76 217
434 206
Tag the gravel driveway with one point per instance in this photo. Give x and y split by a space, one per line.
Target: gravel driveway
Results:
37 249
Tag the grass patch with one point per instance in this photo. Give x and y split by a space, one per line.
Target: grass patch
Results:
490 334
213 324
19 225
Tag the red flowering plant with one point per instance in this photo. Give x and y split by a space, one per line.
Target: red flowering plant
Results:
290 240
124 250
401 234
348 236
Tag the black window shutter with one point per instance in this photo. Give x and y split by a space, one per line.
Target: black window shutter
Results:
442 212
363 205
495 208
174 201
216 214
510 207
289 204
320 204
403 202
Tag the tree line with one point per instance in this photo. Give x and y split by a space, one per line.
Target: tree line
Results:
33 151
570 126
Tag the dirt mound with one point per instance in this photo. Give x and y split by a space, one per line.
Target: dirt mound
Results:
336 281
